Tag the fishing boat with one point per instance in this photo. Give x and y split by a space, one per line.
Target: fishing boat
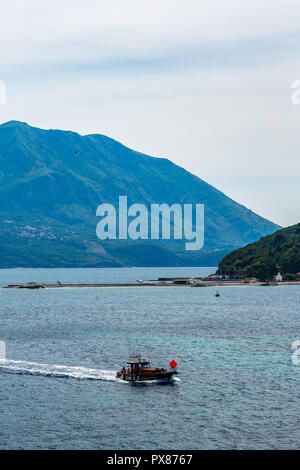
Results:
140 370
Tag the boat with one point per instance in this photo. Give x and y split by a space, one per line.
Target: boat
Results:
217 294
140 370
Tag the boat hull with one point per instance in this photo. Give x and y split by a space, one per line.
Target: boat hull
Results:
162 377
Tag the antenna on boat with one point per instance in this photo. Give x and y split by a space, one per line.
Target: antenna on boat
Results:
133 355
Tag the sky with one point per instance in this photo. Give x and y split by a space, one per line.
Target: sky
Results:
207 84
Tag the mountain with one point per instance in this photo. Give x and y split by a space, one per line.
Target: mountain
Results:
277 252
52 181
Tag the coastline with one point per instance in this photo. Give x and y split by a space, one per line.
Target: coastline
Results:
33 286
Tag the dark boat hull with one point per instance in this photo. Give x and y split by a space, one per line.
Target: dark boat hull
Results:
158 377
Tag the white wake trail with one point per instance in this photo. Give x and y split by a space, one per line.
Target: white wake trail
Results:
55 370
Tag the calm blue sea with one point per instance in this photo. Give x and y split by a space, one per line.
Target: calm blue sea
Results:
238 387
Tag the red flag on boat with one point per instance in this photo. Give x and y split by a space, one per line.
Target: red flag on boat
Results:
173 364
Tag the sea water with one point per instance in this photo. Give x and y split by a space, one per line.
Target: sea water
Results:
237 386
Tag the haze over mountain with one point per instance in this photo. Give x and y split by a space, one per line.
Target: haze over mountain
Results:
52 181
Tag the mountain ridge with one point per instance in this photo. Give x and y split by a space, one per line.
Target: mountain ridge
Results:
53 181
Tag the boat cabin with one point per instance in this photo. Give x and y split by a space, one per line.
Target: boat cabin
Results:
137 365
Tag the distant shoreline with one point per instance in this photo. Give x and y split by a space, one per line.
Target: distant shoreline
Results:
34 286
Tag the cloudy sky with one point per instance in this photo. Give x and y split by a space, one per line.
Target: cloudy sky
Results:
204 83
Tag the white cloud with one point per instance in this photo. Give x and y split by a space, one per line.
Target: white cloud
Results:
103 29
204 83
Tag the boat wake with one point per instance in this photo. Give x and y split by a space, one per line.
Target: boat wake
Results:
157 381
76 372
54 370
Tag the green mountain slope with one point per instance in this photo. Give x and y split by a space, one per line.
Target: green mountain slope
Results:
52 181
277 252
